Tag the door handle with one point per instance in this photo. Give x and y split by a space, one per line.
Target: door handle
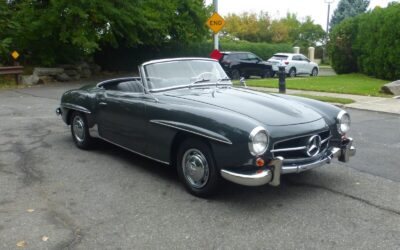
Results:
102 104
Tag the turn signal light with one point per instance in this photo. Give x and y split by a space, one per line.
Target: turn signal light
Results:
260 162
286 62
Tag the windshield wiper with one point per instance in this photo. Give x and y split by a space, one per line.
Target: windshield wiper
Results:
221 80
198 81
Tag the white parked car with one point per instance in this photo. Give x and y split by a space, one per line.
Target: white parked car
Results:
295 64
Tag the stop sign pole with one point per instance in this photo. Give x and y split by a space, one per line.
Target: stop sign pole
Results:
216 37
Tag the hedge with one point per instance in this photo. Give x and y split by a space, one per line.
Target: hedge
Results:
129 58
368 43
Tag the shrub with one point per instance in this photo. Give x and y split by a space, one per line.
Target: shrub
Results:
368 43
128 58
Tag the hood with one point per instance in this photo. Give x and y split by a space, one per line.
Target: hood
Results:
268 109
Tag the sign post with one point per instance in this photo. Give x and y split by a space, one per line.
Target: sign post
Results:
215 23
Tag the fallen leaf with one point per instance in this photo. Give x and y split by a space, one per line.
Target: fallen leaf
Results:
30 210
21 243
45 238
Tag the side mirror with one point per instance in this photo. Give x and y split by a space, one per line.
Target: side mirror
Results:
243 82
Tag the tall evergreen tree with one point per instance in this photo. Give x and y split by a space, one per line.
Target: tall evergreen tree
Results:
348 8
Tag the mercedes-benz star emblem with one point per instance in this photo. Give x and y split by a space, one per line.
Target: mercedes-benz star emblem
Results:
313 145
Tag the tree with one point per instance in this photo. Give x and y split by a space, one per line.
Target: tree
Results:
64 31
348 8
248 26
309 34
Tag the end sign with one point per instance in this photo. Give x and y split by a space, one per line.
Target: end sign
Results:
215 22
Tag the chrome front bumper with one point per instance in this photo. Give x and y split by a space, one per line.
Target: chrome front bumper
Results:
276 167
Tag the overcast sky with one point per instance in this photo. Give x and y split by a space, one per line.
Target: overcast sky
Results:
317 9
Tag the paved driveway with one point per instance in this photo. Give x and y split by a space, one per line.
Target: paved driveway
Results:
108 198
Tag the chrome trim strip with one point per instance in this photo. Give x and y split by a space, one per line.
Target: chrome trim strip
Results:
75 107
295 137
227 141
326 139
133 151
188 86
288 149
254 179
177 59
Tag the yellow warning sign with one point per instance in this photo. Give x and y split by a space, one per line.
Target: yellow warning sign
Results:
215 22
15 54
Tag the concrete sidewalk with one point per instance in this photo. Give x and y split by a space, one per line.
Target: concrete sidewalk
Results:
380 104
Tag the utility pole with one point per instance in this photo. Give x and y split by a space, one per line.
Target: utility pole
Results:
216 37
327 28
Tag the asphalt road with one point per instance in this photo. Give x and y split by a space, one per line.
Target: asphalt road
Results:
108 198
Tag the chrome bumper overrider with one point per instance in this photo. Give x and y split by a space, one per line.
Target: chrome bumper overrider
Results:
273 175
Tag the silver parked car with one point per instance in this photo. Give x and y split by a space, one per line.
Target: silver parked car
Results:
295 64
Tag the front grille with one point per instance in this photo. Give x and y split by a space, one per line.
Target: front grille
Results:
296 148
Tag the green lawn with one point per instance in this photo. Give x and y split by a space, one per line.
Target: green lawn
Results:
356 84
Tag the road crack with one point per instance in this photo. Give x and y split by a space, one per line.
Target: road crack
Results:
366 202
29 94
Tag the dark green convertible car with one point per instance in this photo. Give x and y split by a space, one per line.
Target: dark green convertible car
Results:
184 112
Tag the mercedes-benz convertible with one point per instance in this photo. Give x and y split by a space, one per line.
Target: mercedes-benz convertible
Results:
186 113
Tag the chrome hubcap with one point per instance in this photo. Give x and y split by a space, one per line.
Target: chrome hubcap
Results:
195 168
78 127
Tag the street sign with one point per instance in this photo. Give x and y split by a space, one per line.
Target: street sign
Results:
215 22
15 54
215 54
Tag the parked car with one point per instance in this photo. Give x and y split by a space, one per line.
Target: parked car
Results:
184 112
295 64
245 64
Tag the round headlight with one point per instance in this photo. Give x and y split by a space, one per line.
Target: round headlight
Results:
258 141
343 122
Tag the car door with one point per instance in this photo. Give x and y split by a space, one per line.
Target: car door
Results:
307 65
121 118
298 64
257 68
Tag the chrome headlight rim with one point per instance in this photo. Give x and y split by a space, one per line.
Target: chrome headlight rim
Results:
252 135
339 120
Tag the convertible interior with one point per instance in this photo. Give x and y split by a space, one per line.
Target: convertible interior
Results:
131 85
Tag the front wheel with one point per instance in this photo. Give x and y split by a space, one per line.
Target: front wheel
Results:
314 72
196 168
267 74
80 130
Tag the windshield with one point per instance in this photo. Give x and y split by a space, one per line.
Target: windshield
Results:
172 74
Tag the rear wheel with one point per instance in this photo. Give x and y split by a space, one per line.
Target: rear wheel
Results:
235 74
292 72
80 130
267 74
314 72
196 168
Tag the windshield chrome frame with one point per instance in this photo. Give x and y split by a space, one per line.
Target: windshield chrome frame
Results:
144 76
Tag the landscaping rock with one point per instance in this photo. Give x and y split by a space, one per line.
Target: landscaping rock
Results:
29 79
86 73
63 77
95 68
392 88
46 79
47 71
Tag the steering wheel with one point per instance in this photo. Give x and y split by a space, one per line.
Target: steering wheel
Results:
202 75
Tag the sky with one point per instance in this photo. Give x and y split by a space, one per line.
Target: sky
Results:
317 9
